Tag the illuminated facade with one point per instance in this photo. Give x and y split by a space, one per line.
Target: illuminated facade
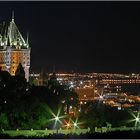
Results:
13 49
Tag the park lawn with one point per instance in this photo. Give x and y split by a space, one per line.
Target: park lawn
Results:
13 133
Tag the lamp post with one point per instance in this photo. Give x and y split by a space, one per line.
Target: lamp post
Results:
56 120
137 120
75 125
68 125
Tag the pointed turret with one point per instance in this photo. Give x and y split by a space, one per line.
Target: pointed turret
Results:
15 36
27 41
13 16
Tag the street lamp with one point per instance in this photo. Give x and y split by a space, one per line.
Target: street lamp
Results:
56 118
57 122
101 97
137 119
75 124
68 125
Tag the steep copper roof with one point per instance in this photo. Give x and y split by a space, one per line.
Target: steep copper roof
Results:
11 36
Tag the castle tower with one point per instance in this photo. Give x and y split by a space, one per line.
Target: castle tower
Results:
13 49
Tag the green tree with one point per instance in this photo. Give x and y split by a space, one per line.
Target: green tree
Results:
20 71
3 121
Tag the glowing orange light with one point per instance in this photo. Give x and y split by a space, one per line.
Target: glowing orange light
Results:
68 124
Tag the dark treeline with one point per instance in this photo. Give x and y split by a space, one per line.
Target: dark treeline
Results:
24 107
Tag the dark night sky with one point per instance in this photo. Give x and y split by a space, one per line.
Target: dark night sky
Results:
79 36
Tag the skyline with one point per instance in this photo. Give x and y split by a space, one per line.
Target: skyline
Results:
79 36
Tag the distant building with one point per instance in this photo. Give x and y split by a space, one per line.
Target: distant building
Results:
39 79
13 49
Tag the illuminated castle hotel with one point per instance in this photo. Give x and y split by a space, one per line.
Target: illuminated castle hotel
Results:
13 49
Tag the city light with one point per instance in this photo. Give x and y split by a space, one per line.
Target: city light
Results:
71 83
135 119
68 124
81 103
101 97
75 124
56 118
